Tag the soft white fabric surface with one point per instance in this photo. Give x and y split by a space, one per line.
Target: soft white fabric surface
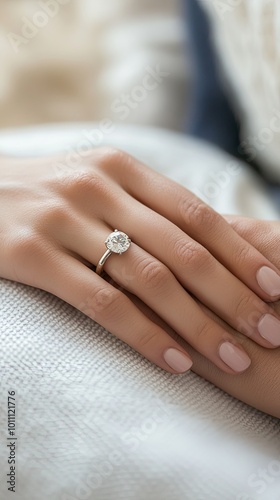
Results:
97 421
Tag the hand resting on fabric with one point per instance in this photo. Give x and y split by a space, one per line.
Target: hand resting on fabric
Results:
53 226
259 386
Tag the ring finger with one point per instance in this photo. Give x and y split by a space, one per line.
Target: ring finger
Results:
200 273
152 282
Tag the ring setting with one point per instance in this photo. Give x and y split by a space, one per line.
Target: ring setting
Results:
116 242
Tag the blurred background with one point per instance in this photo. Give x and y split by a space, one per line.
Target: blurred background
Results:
206 68
75 60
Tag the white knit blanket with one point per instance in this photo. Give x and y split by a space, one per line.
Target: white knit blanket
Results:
96 421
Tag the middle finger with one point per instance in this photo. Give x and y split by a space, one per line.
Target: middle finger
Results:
199 272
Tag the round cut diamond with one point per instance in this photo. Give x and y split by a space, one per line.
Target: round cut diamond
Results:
118 242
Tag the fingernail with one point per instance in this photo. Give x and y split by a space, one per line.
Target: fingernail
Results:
177 360
233 357
269 328
269 281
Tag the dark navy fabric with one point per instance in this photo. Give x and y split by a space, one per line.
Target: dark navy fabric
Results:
210 116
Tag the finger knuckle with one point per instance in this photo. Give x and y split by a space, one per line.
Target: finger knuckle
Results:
107 303
28 251
56 215
243 304
188 253
109 157
203 332
147 339
152 274
243 255
83 184
25 244
198 215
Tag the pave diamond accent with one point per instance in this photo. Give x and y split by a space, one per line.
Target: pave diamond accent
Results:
118 242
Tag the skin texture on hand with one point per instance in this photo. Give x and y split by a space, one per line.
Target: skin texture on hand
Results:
259 386
53 229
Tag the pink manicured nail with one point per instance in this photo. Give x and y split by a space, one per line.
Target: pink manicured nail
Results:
177 360
269 281
234 357
269 328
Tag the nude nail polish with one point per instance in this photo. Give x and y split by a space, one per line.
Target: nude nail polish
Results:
269 329
236 359
177 360
269 281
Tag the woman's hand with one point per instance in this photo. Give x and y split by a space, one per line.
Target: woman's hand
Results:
53 230
260 385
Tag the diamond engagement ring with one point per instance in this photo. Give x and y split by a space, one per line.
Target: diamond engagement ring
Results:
117 242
